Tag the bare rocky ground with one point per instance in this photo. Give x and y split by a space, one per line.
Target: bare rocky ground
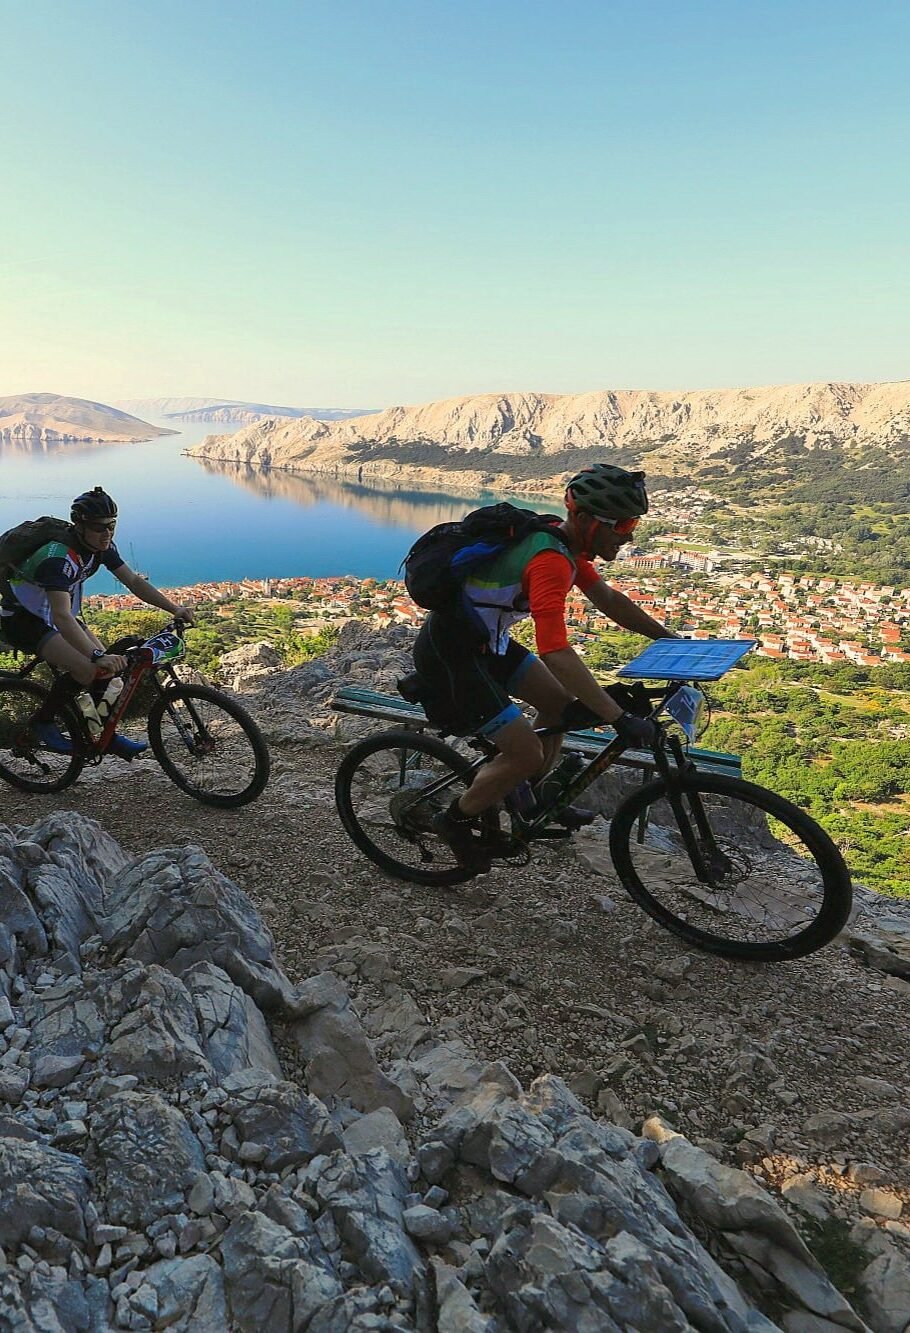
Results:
799 1072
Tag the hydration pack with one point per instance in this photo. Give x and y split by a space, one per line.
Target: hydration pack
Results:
439 562
18 543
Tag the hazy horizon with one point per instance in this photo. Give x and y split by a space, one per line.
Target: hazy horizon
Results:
349 205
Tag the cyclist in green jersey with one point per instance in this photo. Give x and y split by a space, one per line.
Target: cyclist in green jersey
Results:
42 600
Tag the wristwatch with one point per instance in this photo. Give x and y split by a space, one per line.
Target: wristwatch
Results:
98 653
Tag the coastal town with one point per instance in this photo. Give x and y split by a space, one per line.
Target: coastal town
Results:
805 617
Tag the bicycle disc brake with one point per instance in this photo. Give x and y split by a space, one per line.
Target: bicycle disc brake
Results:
724 871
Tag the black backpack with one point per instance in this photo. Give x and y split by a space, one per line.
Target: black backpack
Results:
438 563
20 542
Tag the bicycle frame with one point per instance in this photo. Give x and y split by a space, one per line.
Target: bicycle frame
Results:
670 761
95 748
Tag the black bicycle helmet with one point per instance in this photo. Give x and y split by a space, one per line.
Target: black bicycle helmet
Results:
606 491
94 504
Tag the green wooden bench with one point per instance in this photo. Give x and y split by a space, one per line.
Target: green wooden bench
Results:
392 708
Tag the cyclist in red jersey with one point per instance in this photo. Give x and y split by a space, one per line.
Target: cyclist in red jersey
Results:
473 681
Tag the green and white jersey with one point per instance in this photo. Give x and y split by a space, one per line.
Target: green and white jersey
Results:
54 567
495 589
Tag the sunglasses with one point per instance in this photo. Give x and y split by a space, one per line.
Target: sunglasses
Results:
102 527
621 526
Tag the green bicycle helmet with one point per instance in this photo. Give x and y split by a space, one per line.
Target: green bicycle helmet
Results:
607 492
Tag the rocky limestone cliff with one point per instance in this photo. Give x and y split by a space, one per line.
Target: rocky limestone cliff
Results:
163 1163
35 419
535 439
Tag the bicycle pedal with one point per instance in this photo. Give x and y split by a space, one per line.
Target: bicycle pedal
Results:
573 819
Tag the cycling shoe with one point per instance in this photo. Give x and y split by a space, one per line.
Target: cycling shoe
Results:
124 748
462 838
52 738
502 846
575 817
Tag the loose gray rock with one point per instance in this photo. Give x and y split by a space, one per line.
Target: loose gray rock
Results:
458 1312
731 1202
274 1279
290 1125
428 1224
146 1157
339 1059
233 1032
190 1294
158 1037
40 1187
174 907
365 1196
885 1293
377 1129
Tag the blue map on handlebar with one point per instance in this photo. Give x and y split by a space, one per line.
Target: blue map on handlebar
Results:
687 659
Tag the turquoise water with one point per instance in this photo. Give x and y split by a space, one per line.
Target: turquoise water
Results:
184 521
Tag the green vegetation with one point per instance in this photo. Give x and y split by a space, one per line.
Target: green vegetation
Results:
834 1248
859 503
222 627
218 630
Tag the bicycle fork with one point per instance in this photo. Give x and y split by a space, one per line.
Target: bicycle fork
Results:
708 861
195 737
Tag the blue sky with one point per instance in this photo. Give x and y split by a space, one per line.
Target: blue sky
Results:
366 202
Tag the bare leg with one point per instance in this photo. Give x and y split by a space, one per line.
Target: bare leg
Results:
520 756
63 655
539 687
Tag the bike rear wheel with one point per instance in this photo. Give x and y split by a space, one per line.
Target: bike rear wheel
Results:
208 745
387 789
772 885
25 761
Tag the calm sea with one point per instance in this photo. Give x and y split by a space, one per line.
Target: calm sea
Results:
183 521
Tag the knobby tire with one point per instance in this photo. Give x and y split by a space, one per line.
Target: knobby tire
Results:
829 913
352 768
20 699
184 777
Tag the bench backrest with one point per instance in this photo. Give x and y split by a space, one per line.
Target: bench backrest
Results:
392 708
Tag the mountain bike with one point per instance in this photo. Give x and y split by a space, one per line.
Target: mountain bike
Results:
726 865
206 743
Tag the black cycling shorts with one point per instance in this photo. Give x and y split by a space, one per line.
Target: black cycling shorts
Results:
469 687
25 632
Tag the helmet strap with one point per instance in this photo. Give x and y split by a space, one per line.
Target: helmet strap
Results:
587 537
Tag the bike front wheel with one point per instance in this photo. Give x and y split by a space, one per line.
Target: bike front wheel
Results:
387 790
208 745
29 758
731 867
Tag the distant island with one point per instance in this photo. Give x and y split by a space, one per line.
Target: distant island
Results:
39 420
231 412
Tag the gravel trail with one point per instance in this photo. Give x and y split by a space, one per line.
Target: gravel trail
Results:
799 1071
